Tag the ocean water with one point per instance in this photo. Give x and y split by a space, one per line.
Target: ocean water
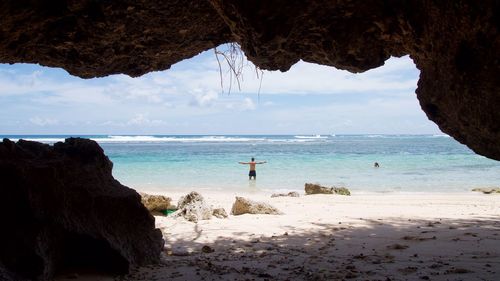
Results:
408 163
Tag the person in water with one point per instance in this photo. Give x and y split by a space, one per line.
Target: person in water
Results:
252 173
376 165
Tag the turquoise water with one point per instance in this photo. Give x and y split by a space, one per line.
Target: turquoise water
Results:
408 163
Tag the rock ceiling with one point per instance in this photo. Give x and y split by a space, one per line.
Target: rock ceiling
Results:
454 44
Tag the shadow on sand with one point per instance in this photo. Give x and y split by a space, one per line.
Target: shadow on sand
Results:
391 249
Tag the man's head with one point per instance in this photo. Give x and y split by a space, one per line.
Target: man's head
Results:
253 159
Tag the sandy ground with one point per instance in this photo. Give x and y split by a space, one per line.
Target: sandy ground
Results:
331 237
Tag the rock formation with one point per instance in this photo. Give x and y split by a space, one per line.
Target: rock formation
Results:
91 38
455 44
61 207
245 206
311 188
219 213
289 194
193 208
488 190
156 203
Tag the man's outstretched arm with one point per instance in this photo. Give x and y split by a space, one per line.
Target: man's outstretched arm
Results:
243 163
261 162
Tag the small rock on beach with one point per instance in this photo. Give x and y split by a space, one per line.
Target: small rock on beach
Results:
245 206
487 190
156 202
219 213
193 208
289 194
311 188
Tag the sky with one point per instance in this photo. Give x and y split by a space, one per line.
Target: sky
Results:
189 99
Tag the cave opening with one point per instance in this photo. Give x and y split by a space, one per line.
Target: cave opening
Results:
453 44
378 100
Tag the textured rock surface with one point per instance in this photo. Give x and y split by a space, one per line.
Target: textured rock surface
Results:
488 190
96 38
455 44
311 188
245 206
156 202
60 207
289 194
219 213
193 208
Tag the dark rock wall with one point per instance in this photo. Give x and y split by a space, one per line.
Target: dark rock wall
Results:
350 35
60 207
93 38
454 43
458 54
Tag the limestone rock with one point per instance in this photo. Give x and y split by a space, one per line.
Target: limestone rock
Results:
193 208
454 44
156 202
99 39
61 207
245 206
488 190
289 194
311 188
219 213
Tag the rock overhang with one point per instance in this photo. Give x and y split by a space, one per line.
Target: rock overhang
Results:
454 44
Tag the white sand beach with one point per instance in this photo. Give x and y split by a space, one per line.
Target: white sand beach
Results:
414 236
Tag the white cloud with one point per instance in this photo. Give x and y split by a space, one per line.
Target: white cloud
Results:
138 119
39 121
110 123
303 78
203 98
248 104
305 98
201 81
306 78
143 120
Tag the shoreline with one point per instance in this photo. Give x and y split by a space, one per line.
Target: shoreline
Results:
167 191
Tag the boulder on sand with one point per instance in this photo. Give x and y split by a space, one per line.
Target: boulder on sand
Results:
312 188
156 203
487 190
219 213
193 208
289 194
245 206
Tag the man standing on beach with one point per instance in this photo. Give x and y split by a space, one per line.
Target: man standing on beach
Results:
252 164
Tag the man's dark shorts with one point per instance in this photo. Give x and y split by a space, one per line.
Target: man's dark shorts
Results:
252 174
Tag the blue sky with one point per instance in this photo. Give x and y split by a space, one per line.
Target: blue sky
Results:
187 99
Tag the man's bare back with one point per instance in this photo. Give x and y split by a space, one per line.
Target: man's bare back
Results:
252 173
